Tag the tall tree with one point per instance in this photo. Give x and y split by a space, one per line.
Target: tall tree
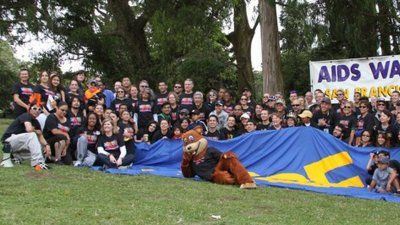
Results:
241 38
271 59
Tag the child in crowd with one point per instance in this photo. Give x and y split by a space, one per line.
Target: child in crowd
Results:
385 178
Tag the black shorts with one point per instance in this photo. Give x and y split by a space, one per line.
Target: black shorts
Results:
54 139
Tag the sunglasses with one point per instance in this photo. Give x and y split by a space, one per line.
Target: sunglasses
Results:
347 107
381 104
177 87
295 105
363 107
37 109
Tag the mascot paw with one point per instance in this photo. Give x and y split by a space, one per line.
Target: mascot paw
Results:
229 155
248 186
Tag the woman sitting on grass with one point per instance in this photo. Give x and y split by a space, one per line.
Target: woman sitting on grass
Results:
87 141
111 147
56 131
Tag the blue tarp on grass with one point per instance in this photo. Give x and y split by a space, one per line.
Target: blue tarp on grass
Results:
299 158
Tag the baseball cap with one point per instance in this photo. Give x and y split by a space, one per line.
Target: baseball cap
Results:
380 100
291 115
326 100
184 111
306 113
219 102
92 81
280 101
195 112
245 116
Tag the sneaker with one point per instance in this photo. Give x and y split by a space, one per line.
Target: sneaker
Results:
41 166
78 164
17 161
7 163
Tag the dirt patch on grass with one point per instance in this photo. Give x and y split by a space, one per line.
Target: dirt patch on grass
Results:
40 175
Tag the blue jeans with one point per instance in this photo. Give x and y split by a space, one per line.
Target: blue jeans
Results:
105 160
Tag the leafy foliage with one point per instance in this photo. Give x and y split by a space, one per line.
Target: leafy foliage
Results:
9 67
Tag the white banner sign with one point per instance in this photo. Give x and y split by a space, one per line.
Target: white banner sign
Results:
372 77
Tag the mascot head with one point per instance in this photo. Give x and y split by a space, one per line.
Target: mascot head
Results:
193 141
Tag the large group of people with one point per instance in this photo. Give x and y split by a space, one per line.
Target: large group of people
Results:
84 123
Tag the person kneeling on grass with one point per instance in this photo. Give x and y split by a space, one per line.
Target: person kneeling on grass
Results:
384 178
24 134
111 147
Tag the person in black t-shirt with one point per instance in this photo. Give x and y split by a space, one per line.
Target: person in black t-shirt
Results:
120 99
163 133
22 91
56 131
326 118
128 130
385 125
87 141
229 131
75 116
213 133
348 120
265 123
42 91
74 92
24 134
198 103
162 97
111 148
186 98
144 111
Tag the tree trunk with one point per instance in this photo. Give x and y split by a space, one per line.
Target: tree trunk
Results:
241 39
131 29
271 58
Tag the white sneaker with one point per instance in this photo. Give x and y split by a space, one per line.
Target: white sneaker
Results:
7 163
78 164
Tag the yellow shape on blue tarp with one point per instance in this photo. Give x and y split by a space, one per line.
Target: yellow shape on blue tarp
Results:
316 173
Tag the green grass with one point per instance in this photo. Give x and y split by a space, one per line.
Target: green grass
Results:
66 195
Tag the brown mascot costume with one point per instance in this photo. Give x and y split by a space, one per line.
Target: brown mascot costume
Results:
211 164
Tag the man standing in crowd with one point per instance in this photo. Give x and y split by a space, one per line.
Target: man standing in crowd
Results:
394 98
309 97
117 85
325 118
220 113
126 84
246 92
339 132
250 126
24 134
109 95
186 98
178 88
213 132
21 92
162 96
198 103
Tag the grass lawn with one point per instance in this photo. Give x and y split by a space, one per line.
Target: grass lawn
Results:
67 195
